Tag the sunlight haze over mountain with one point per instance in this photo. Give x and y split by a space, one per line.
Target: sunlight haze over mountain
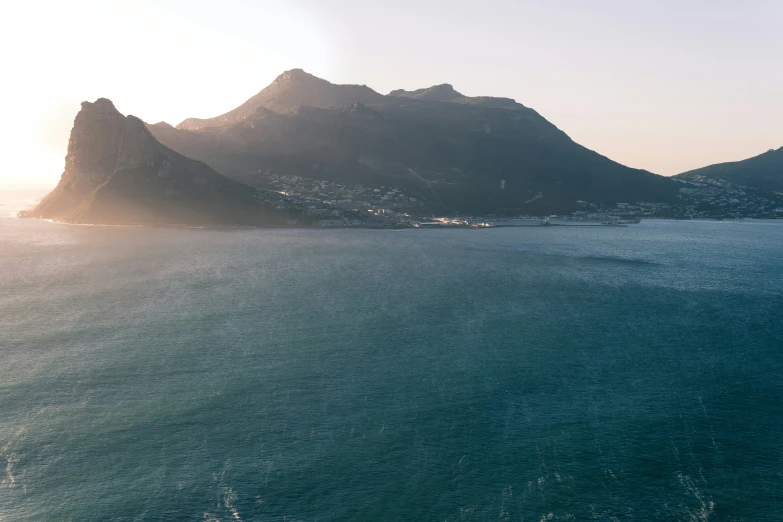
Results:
663 86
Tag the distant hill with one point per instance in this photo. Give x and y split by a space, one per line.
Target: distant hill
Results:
458 153
763 172
116 172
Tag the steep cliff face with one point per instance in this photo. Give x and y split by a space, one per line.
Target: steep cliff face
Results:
92 156
117 172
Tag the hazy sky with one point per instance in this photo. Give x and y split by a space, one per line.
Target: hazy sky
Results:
663 85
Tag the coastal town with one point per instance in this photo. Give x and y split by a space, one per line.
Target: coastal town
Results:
327 204
710 198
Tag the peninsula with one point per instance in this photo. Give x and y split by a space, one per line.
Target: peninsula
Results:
306 152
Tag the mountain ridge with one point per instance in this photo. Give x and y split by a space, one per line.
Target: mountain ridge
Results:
445 92
461 154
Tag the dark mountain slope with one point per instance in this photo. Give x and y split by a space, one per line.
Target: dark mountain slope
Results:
117 172
762 172
476 155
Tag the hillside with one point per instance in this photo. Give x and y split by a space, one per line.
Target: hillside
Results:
763 172
457 153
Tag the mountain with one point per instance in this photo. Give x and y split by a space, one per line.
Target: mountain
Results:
292 88
456 153
116 172
762 172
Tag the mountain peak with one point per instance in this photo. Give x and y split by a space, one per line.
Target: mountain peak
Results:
100 106
288 91
442 92
295 75
444 88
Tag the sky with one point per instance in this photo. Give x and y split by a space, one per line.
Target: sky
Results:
667 86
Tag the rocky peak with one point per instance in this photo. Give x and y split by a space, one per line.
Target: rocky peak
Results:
293 76
444 89
285 94
102 142
95 137
442 92
100 106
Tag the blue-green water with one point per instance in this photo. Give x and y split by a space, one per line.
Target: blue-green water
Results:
510 374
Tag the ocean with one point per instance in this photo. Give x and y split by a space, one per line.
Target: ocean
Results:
514 374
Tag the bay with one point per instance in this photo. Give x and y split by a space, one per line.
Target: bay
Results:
586 373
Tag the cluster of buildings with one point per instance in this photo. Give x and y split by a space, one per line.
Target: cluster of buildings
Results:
719 199
328 204
699 197
325 203
638 209
341 195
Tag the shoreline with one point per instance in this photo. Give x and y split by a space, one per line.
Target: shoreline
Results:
397 228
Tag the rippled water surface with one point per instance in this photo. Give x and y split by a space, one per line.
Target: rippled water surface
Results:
509 374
